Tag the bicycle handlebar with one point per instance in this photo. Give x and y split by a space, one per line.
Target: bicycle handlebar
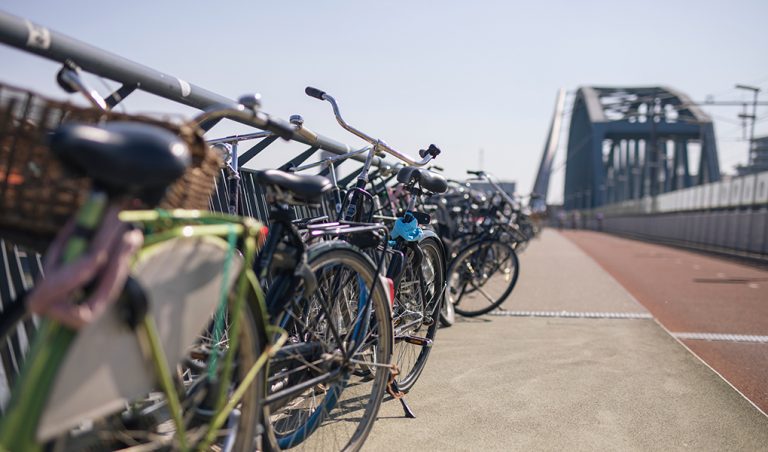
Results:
426 154
314 92
487 177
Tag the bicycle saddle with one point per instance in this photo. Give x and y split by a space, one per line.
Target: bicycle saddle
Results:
122 157
427 179
305 189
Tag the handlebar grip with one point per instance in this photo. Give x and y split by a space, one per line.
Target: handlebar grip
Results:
66 85
475 173
314 92
281 128
433 150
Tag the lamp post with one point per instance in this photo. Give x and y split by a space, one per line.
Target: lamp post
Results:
755 91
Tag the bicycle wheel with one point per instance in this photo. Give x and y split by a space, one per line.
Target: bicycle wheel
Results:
335 366
447 313
481 277
147 423
417 304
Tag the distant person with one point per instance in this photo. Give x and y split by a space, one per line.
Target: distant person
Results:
561 219
576 219
599 219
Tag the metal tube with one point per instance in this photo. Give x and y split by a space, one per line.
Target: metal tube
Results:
378 144
42 41
330 160
39 40
238 138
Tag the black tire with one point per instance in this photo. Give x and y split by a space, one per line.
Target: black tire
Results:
481 277
419 294
340 414
447 313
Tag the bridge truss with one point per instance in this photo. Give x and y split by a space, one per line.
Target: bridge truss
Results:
628 143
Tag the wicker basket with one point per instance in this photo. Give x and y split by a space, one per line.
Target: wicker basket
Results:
38 194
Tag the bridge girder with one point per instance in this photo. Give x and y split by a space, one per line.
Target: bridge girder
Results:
630 142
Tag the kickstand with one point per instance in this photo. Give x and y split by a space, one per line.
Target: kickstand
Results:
394 390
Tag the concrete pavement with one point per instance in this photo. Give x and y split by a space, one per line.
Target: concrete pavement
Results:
717 307
553 383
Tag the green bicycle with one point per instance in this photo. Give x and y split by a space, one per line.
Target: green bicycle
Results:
179 359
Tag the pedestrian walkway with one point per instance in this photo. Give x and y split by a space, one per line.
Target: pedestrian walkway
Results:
534 380
717 307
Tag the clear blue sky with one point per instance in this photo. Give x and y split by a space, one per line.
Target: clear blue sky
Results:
464 75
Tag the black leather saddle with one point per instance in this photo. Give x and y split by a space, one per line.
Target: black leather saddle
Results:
124 158
302 188
426 179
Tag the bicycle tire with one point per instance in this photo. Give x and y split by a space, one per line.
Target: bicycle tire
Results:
447 313
343 412
411 358
466 285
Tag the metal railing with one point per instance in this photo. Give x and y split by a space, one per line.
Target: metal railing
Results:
20 268
42 41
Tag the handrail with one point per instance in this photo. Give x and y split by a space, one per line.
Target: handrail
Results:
44 42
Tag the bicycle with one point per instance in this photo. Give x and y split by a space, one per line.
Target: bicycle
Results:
484 271
334 331
149 386
417 257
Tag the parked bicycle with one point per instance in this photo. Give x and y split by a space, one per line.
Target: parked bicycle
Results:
178 360
416 260
485 235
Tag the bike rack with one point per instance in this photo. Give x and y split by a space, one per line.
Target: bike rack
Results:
19 267
42 41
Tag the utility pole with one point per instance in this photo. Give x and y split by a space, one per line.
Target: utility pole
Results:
753 117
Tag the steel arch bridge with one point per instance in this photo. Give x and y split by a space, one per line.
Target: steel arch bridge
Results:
628 143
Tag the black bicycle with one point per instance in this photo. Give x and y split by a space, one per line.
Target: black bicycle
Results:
416 256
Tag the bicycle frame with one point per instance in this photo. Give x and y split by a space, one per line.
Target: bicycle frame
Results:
19 427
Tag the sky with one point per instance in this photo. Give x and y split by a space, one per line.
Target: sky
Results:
478 79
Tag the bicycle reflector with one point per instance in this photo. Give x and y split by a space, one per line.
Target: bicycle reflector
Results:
263 235
391 286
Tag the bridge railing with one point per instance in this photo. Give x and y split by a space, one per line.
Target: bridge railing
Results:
730 217
738 192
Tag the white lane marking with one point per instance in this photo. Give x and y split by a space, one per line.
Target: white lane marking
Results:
571 314
722 337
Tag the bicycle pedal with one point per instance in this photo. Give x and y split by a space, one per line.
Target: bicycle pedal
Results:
416 340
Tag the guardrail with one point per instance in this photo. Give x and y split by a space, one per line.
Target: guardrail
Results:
728 217
737 192
42 41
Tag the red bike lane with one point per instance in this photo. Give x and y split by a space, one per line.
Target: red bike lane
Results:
718 308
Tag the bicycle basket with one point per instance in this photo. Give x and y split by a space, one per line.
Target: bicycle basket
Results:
37 193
